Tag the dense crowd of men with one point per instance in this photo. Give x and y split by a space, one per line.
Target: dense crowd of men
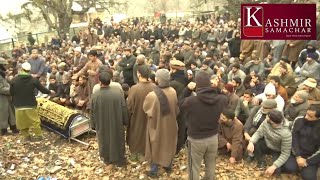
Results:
173 85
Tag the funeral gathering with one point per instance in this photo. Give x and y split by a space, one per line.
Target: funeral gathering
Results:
154 88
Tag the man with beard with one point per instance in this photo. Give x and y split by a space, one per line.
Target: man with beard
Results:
202 143
311 68
233 99
230 136
255 65
137 125
178 77
109 113
305 143
239 88
178 82
82 93
79 60
61 72
236 72
297 107
287 80
206 68
310 85
161 108
187 52
37 63
127 65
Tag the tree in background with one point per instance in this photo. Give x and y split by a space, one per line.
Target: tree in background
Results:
58 13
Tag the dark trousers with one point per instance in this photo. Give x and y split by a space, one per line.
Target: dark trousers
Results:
309 172
261 149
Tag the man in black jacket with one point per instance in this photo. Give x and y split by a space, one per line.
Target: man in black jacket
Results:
203 113
24 101
127 65
306 143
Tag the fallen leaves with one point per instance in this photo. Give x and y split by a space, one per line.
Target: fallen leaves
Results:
55 157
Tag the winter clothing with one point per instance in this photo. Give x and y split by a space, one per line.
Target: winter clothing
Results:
278 139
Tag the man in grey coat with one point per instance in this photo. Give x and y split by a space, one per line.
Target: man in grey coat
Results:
273 137
7 117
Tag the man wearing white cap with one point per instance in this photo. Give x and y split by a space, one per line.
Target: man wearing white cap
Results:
79 60
310 85
24 101
270 92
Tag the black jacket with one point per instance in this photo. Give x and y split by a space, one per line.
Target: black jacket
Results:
306 140
203 111
22 90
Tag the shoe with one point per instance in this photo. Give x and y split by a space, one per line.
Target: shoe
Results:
249 159
4 132
121 164
261 165
168 170
14 129
152 174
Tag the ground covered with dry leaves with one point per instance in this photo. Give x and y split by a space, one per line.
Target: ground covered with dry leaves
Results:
59 159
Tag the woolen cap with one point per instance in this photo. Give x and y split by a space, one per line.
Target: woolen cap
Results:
313 56
229 87
202 80
269 104
270 89
163 77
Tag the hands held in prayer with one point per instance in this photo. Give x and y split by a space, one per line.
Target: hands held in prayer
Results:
250 147
302 162
270 170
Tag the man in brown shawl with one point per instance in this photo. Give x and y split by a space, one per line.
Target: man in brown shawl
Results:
162 129
137 126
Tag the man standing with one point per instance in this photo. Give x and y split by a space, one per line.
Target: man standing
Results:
202 130
37 63
109 113
127 66
91 69
137 126
7 117
162 129
22 92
